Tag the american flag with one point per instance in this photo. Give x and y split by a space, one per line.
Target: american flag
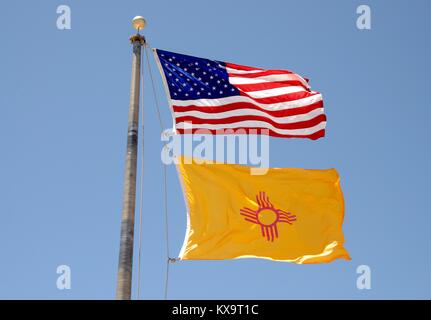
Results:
217 96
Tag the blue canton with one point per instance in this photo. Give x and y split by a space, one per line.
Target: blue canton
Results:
190 78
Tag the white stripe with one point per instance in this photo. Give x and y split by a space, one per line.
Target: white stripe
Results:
253 124
269 78
266 106
251 112
231 70
275 91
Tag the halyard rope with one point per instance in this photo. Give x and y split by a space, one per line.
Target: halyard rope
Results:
165 182
141 182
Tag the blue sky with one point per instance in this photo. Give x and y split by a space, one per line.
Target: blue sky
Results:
64 102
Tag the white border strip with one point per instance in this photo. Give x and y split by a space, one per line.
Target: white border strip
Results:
165 85
183 189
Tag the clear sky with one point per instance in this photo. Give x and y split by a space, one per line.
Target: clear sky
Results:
64 100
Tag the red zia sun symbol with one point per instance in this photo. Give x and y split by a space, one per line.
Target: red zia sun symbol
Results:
267 216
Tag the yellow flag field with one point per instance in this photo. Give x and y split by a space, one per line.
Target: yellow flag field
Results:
288 214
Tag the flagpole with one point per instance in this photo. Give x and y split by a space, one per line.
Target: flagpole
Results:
125 261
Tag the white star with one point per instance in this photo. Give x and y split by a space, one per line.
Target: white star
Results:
177 79
191 89
221 92
218 81
185 69
184 84
170 59
178 64
232 89
225 86
199 78
198 93
202 89
209 93
206 83
208 64
211 77
204 72
214 88
196 63
175 93
170 74
193 74
187 94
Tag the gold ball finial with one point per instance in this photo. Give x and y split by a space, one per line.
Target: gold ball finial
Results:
139 23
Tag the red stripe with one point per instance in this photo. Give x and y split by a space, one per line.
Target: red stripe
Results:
313 136
247 105
296 125
282 98
261 74
240 67
268 85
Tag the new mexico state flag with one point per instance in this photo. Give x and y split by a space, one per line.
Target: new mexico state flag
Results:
291 215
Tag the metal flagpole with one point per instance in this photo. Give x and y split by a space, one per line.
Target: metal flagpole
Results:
125 262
